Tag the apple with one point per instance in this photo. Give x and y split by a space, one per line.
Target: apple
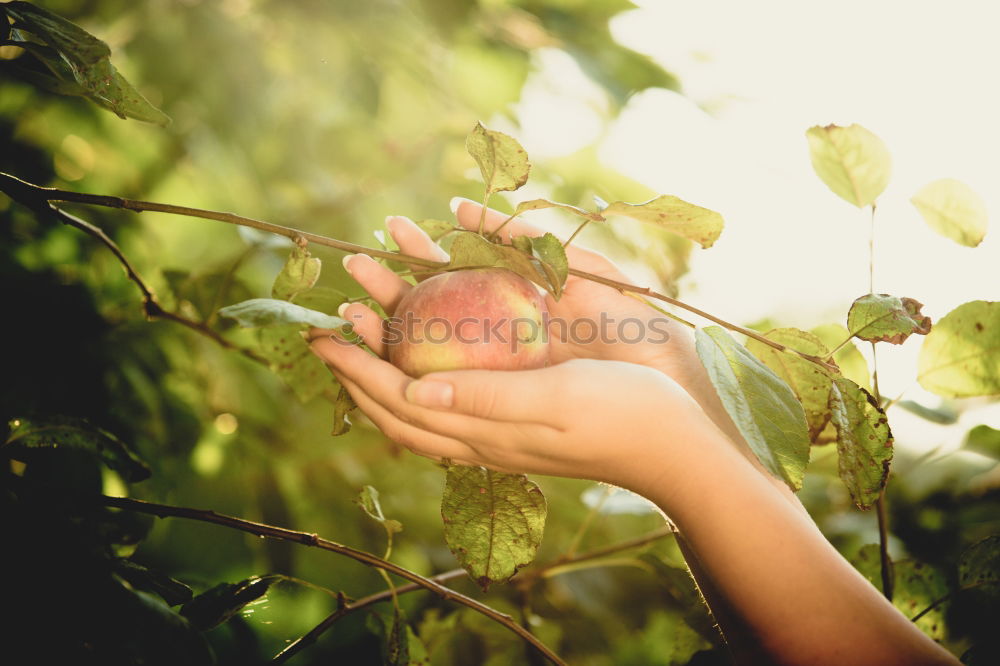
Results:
477 318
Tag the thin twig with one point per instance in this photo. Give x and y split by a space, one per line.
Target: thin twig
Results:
308 539
881 513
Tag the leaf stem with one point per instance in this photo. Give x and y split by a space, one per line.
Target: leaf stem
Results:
307 539
888 576
575 232
871 253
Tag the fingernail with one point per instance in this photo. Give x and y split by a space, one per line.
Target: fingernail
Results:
342 309
455 203
429 393
346 261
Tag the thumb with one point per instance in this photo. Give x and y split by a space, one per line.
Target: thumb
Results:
501 395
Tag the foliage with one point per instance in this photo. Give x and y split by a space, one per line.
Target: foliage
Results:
330 116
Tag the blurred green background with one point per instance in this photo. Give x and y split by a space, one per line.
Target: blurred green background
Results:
327 116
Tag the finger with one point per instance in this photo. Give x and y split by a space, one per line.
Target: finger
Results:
467 213
382 284
412 240
367 323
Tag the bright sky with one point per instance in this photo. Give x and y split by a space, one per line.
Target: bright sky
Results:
921 75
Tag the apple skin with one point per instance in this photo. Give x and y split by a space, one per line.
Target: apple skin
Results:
479 318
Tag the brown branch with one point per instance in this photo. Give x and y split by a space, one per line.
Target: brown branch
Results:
308 539
31 195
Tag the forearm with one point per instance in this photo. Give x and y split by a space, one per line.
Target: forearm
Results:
772 575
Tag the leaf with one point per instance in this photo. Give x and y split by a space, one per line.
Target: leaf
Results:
885 318
493 522
851 362
83 60
915 587
368 501
864 441
761 405
984 440
960 358
401 646
954 210
172 591
501 159
437 229
216 605
299 274
854 163
945 415
474 251
539 204
979 565
292 360
680 586
613 501
269 311
28 435
701 225
809 381
343 404
552 256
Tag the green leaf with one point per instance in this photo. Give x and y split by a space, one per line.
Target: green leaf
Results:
864 441
954 210
984 440
84 61
501 159
28 436
701 225
299 274
885 318
848 358
343 404
979 565
401 646
961 357
915 587
552 257
493 522
809 381
269 311
216 605
678 584
539 204
945 415
368 501
437 229
172 591
292 360
761 405
854 163
474 251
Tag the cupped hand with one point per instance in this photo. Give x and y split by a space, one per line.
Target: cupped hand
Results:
602 420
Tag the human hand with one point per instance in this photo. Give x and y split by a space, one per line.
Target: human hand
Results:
580 419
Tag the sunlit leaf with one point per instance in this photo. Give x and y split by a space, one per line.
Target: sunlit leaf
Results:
701 225
270 311
864 441
915 587
954 210
984 440
761 405
472 250
539 204
552 257
885 318
493 522
854 163
368 501
29 435
299 274
809 381
961 357
501 159
436 229
216 605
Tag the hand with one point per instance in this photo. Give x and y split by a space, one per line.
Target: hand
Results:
581 419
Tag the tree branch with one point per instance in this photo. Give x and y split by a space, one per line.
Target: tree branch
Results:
308 539
32 195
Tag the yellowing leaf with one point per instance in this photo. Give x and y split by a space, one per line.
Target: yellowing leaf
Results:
539 204
954 210
853 162
493 521
864 441
961 357
885 318
701 225
501 159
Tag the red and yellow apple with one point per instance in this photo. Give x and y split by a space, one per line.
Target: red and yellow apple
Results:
479 318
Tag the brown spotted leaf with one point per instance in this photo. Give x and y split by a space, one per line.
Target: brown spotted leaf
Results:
493 522
886 318
501 159
864 441
915 587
